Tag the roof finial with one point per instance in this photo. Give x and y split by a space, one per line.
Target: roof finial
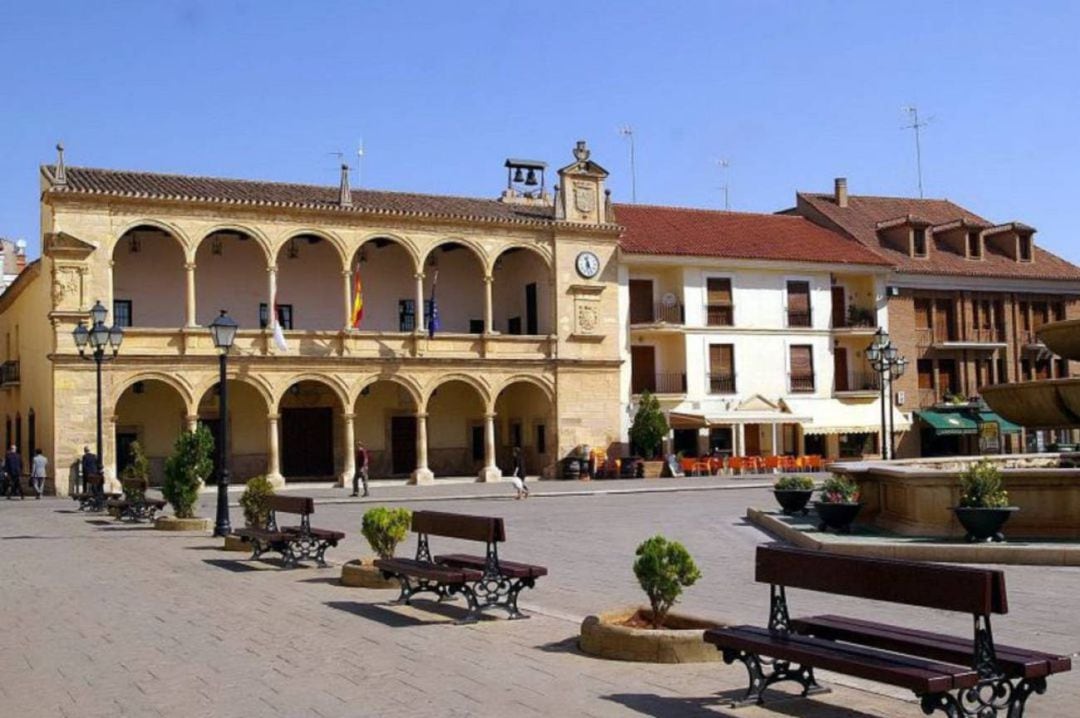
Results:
59 176
345 194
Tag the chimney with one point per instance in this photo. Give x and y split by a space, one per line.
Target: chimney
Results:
840 191
344 194
20 256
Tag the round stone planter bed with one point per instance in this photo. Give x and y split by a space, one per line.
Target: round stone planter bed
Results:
361 573
793 501
626 635
234 543
837 517
171 523
984 524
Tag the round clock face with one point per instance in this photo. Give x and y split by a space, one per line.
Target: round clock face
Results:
588 265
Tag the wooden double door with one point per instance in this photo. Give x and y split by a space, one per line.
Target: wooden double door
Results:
307 443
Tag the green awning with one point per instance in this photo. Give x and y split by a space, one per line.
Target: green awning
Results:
948 423
1007 427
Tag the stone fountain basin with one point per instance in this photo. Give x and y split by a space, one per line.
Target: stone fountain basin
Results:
1062 338
1046 403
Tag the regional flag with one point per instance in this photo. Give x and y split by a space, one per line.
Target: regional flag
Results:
358 300
434 324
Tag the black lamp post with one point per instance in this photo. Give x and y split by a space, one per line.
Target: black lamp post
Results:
896 370
223 330
98 337
889 365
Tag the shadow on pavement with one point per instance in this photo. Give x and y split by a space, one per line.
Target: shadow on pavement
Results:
379 614
231 565
777 703
335 580
566 645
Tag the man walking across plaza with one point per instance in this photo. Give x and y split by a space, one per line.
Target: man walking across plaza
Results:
39 467
361 474
13 468
89 468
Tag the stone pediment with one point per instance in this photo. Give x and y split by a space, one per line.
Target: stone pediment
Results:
758 403
66 246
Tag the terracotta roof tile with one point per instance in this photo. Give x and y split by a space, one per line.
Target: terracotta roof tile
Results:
734 235
119 183
861 218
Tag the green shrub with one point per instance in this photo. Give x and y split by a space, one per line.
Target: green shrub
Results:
981 486
664 568
136 475
385 528
189 465
649 428
839 490
255 502
794 483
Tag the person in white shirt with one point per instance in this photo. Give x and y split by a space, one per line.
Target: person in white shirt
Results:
39 467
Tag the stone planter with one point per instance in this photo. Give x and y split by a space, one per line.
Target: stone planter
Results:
233 543
682 641
984 524
171 523
793 501
653 469
837 517
362 573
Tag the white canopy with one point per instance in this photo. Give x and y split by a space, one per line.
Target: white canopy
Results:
832 416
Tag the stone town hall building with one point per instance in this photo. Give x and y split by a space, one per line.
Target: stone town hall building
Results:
527 353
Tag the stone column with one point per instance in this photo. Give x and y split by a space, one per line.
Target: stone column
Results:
192 422
490 472
346 276
189 294
112 484
740 440
422 474
488 322
420 302
271 292
349 437
775 440
273 468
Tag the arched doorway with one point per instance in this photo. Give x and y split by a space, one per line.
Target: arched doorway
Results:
309 286
525 417
311 432
455 429
388 279
385 421
248 437
521 293
459 288
148 279
152 412
230 274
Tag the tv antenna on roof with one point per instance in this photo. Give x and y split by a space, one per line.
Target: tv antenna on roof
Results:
723 165
916 125
628 132
359 160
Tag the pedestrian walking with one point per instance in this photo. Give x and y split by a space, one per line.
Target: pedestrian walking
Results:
361 475
518 474
13 468
39 468
90 468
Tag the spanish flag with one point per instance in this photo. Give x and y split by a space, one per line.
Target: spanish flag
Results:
358 300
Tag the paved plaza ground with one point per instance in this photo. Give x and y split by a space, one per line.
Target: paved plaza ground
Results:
108 619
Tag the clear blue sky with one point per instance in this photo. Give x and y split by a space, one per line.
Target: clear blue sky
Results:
791 93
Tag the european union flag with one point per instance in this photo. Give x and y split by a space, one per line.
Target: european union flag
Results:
433 321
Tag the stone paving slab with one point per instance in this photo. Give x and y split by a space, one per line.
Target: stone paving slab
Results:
108 620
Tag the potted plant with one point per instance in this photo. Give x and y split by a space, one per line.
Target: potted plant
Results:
984 502
663 568
135 478
255 503
647 433
839 504
860 316
793 493
185 472
384 529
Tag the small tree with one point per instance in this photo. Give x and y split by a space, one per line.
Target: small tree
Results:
189 465
650 427
664 568
981 486
385 528
136 475
255 502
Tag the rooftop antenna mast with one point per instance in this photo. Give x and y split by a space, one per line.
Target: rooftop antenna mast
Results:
359 163
723 165
916 125
628 132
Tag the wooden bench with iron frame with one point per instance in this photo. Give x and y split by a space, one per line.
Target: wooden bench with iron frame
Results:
294 543
484 581
94 498
134 504
963 678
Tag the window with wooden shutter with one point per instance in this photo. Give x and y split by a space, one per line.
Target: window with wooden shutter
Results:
798 304
722 368
802 368
719 307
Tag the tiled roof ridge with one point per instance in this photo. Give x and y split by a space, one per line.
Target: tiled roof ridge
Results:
705 210
830 195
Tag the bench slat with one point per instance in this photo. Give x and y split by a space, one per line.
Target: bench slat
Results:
291 504
1016 662
511 569
429 571
459 526
322 534
920 676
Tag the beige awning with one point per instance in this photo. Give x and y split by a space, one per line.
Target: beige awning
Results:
832 416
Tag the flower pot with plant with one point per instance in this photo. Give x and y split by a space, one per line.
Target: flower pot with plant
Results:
255 501
185 472
839 504
793 493
984 502
384 529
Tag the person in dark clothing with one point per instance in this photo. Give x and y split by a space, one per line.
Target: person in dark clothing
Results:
360 476
518 474
13 470
89 469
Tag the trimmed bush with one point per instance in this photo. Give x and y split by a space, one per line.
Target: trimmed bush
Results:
385 528
664 568
136 475
981 487
794 483
649 428
839 490
254 502
186 469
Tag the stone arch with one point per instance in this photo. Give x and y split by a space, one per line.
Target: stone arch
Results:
481 387
461 291
310 264
254 233
547 387
314 441
176 381
387 267
257 383
416 393
477 249
148 282
332 239
248 439
524 409
338 387
522 293
151 408
230 273
539 250
456 412
401 240
167 227
384 419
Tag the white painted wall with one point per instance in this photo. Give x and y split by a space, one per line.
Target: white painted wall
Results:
152 279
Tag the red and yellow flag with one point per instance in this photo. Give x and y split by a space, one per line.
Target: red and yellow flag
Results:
358 300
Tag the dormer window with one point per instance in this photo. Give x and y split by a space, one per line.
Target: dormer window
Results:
918 242
974 245
1025 247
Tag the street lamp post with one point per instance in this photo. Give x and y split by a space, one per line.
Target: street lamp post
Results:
98 337
223 329
889 365
895 372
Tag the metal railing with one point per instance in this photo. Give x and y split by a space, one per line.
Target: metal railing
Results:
665 383
857 318
721 383
720 315
9 373
987 335
860 381
798 319
658 312
801 383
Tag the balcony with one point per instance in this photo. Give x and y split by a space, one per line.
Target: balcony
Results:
798 319
9 373
1029 338
860 383
858 320
658 313
973 338
720 315
721 383
661 383
801 383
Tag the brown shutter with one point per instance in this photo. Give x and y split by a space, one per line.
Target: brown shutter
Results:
922 313
798 296
722 359
719 290
802 361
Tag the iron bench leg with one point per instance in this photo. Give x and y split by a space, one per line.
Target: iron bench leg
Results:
780 671
988 698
